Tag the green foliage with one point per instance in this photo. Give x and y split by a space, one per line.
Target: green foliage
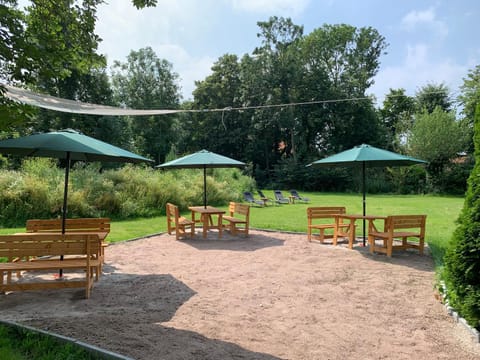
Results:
431 96
36 191
145 81
470 95
22 344
408 180
437 138
462 260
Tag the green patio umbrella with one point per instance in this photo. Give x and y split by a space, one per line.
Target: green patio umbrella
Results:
202 159
69 145
364 156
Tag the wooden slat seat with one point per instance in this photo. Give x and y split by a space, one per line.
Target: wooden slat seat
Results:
401 228
81 251
238 219
325 218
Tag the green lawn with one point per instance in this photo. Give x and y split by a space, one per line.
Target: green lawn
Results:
442 212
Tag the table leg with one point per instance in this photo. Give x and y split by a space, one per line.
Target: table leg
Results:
351 234
205 219
220 225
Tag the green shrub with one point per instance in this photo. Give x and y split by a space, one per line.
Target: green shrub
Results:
36 190
462 259
18 343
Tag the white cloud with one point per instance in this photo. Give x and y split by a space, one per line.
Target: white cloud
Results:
415 19
418 70
286 7
187 66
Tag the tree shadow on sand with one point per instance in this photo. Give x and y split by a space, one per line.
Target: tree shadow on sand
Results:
123 317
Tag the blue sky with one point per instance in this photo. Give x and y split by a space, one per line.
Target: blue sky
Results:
430 41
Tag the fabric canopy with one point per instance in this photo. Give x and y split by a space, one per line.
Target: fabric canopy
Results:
74 107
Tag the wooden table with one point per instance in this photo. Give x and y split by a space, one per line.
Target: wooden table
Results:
206 218
353 218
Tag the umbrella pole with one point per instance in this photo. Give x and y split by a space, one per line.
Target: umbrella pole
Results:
364 201
65 192
205 186
65 195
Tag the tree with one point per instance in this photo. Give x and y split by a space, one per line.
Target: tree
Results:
431 96
437 138
462 260
339 63
397 116
279 59
13 59
470 94
148 82
220 131
42 50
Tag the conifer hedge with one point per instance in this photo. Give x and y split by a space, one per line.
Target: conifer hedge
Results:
462 259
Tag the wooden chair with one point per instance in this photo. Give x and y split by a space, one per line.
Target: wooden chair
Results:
395 229
238 224
325 218
178 223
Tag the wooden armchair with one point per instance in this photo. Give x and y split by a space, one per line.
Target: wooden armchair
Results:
178 223
238 224
325 218
399 227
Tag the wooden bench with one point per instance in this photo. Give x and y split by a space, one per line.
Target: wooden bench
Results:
238 218
325 218
177 222
100 226
396 227
40 251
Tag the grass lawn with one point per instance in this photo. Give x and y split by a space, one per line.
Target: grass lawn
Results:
441 211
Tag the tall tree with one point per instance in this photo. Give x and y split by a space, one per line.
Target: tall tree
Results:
220 131
14 58
397 116
437 138
342 60
470 94
279 59
432 95
55 40
145 81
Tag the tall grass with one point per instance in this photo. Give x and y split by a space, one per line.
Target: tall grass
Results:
36 190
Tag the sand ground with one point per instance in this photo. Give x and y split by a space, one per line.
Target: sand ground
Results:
270 296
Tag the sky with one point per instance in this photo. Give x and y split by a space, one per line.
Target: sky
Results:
430 41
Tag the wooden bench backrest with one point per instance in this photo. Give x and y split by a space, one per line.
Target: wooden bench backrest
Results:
80 224
237 208
172 212
402 222
38 244
325 211
172 216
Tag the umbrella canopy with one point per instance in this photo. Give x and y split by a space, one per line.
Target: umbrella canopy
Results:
68 145
202 159
366 156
